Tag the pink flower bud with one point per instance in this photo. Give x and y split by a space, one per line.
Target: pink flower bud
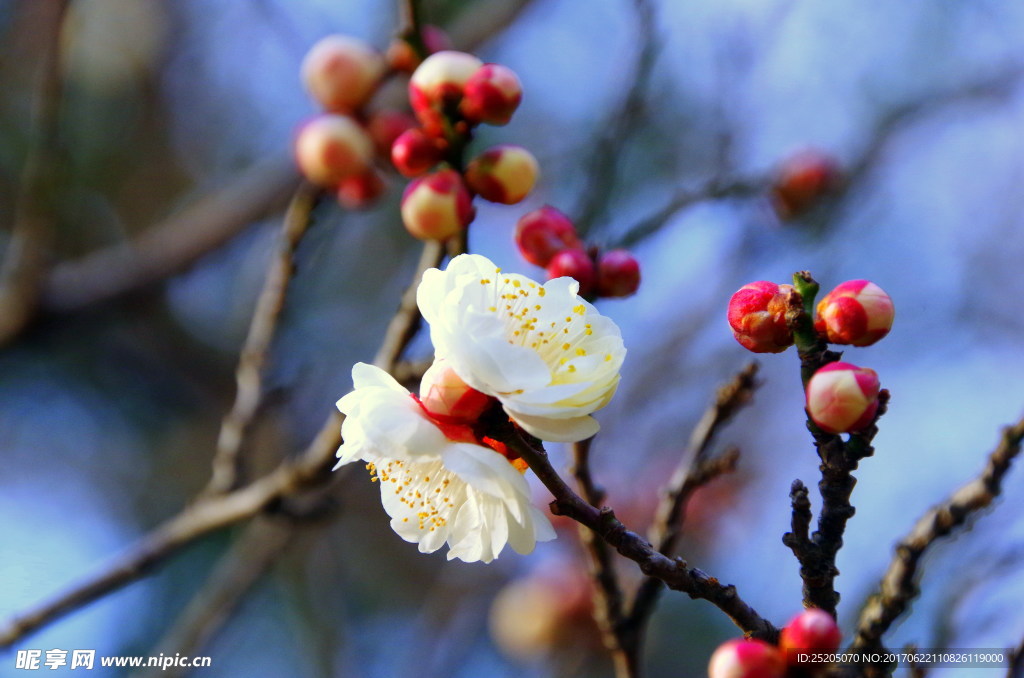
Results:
757 316
746 659
504 174
436 206
812 630
386 126
543 233
401 56
618 274
341 72
360 191
802 180
492 94
331 147
842 398
437 84
447 398
574 264
414 153
856 312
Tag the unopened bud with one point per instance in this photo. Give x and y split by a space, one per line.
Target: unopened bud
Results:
447 397
856 312
503 174
360 191
331 147
746 659
387 125
436 206
414 153
757 316
438 83
618 274
492 94
842 398
574 264
802 180
543 233
812 630
341 72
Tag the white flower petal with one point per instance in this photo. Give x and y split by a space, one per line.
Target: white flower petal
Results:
557 430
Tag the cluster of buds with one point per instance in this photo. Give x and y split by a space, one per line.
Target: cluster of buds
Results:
336 149
451 93
547 238
812 630
841 397
801 181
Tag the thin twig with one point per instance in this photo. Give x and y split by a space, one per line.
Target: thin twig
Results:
603 168
1016 667
173 244
238 571
23 264
227 463
410 26
898 586
673 571
696 468
607 591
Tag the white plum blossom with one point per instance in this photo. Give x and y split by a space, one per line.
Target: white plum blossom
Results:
436 482
544 352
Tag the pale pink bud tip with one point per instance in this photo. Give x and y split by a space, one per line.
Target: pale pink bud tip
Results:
492 94
842 397
503 174
618 274
341 72
746 659
757 316
330 148
812 630
857 312
448 398
436 206
414 153
574 264
543 233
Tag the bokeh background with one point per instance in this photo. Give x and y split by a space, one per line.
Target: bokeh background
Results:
109 409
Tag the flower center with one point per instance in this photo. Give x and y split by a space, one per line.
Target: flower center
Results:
463 432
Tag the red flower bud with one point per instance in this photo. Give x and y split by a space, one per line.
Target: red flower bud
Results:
341 72
574 264
856 312
414 153
618 274
386 126
503 174
401 56
746 659
543 233
330 148
436 206
492 94
360 190
812 630
757 316
842 398
802 180
448 398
